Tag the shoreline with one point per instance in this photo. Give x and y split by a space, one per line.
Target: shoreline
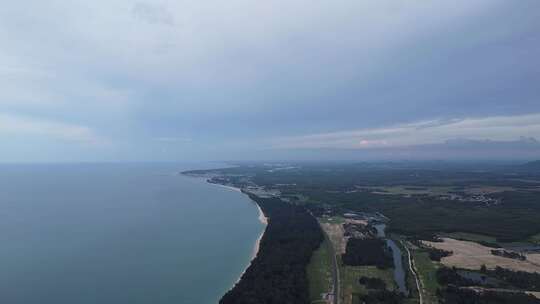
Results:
225 186
257 246
262 219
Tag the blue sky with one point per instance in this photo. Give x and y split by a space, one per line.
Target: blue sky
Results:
213 80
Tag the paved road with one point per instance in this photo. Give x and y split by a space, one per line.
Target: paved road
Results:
335 270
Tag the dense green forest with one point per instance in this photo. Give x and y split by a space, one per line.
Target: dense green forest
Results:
278 274
360 252
379 297
501 203
372 283
517 279
334 187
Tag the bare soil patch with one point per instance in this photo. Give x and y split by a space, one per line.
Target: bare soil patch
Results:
335 234
471 255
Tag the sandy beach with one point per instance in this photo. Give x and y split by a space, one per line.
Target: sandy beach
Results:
262 218
225 186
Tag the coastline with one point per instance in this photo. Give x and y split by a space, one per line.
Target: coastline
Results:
225 186
262 218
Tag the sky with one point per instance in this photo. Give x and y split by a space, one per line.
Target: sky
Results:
122 80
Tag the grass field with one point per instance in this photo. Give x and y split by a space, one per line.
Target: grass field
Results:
334 229
427 273
319 272
351 274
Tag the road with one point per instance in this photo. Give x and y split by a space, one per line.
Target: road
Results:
415 274
335 270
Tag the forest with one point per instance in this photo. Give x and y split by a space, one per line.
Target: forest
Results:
372 283
360 252
278 273
517 279
334 187
496 278
379 297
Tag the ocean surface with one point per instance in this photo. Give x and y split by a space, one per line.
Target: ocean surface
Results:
120 233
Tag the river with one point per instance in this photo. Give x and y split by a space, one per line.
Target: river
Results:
399 271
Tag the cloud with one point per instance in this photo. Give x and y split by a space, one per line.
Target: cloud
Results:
153 14
12 125
174 139
496 128
236 71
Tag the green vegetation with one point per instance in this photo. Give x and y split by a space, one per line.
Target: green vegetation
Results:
485 203
336 188
410 278
457 295
517 279
278 273
411 190
360 252
427 271
379 296
372 283
350 276
516 218
319 272
535 239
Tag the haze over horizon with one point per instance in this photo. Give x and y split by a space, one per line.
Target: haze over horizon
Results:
123 80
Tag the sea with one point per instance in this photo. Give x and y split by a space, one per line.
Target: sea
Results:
120 233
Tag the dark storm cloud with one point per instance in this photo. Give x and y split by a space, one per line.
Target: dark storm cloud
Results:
112 79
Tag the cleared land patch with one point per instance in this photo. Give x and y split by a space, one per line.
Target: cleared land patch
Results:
488 189
471 255
335 233
473 237
436 190
410 190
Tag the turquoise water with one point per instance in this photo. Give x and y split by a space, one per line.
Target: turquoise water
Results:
110 233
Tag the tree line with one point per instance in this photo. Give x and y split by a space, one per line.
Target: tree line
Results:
278 274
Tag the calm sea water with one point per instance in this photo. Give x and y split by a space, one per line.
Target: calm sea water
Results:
111 233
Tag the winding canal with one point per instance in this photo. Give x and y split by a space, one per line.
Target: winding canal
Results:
399 271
